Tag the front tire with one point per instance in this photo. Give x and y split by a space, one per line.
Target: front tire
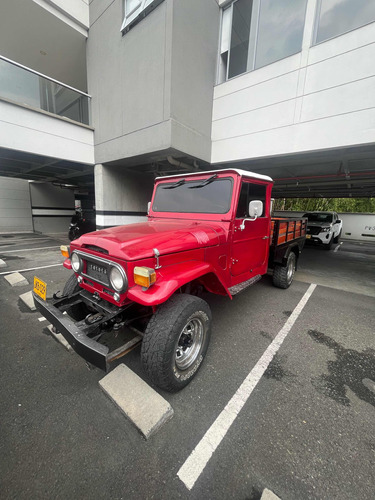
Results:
283 275
328 245
176 341
337 239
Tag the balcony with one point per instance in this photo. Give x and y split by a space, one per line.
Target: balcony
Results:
27 87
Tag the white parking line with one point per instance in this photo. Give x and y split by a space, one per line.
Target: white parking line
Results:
29 249
198 459
338 247
20 240
30 269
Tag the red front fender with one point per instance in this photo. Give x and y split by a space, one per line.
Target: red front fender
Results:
170 279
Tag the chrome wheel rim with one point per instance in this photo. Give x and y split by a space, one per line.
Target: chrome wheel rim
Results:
290 271
189 344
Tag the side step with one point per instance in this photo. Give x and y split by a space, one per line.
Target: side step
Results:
234 290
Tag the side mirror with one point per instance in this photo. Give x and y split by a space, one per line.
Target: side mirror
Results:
338 221
255 208
148 207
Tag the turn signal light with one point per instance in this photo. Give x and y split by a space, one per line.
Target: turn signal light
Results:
64 251
144 276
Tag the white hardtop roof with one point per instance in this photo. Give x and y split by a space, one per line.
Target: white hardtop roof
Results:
243 173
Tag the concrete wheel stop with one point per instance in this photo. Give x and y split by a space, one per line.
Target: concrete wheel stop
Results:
28 299
269 495
16 279
3 264
141 404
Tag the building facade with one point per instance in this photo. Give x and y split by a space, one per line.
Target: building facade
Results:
139 88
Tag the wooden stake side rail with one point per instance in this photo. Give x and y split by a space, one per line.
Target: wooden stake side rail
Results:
284 230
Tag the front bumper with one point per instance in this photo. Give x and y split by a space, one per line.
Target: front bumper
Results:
320 239
77 334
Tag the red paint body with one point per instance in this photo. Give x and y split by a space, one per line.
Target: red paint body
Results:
206 249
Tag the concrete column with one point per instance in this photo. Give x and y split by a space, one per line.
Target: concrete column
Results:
121 196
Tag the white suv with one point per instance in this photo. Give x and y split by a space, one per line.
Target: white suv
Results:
324 228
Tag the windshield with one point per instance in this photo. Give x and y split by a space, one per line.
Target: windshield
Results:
319 217
209 196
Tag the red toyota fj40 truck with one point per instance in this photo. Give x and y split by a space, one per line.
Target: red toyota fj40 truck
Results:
206 231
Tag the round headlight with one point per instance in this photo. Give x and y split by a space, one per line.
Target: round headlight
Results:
117 279
76 262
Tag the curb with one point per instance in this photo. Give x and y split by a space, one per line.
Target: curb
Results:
141 404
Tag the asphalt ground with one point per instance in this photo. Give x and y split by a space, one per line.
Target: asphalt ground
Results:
306 431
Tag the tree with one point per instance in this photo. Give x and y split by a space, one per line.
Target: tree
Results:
351 205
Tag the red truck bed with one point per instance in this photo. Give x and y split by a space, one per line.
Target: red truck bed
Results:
284 230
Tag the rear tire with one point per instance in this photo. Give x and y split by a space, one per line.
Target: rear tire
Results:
78 311
176 341
283 275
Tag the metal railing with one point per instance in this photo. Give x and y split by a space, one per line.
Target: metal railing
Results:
26 86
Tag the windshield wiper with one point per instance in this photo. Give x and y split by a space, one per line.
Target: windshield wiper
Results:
205 182
176 184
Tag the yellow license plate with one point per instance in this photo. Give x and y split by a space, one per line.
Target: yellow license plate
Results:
308 236
40 288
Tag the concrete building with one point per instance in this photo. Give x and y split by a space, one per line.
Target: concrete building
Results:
138 88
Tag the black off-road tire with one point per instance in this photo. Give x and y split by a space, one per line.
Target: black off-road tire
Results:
328 246
78 311
283 275
166 356
337 239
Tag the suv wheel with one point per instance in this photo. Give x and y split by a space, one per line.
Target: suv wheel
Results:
328 246
283 275
176 341
337 239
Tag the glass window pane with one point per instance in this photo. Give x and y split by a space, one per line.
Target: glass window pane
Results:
339 16
212 198
280 31
131 5
258 192
225 31
19 85
239 43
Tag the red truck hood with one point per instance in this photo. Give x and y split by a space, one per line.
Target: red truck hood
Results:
136 241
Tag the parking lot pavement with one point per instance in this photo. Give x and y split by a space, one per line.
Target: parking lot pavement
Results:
28 251
348 266
306 430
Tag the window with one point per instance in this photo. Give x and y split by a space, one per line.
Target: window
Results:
248 193
136 10
194 196
335 17
240 33
318 217
255 33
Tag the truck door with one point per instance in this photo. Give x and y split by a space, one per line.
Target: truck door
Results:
251 245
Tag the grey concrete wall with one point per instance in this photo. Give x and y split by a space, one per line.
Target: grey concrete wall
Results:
128 81
195 35
152 89
121 197
15 206
52 207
